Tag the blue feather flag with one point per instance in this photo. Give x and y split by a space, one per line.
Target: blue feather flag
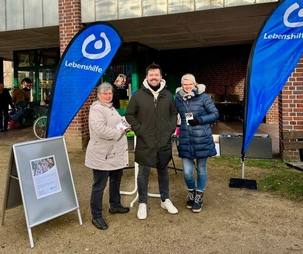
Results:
274 55
81 66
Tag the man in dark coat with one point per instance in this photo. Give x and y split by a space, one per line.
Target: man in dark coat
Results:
5 100
152 113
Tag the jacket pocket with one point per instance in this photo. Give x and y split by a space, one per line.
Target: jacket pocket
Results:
109 152
164 155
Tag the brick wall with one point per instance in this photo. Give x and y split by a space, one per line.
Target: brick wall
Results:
272 116
224 66
229 70
216 67
291 111
69 21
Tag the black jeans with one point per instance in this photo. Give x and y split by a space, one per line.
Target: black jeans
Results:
163 182
100 181
3 119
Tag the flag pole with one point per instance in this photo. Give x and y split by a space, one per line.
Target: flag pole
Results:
242 182
243 168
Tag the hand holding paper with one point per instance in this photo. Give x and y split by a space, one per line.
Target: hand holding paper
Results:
124 125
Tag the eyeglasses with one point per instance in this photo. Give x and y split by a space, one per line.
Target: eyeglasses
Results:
188 85
107 93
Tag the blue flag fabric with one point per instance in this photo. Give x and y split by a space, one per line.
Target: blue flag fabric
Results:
83 63
274 55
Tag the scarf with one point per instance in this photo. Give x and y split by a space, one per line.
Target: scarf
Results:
187 96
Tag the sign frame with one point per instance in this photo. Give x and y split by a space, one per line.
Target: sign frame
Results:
56 203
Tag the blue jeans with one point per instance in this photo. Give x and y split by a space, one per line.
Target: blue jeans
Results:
188 172
100 180
142 178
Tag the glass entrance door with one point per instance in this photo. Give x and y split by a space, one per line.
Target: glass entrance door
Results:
39 65
46 78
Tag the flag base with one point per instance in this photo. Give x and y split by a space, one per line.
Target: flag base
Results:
243 183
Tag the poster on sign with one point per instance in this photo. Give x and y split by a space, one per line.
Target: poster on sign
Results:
45 176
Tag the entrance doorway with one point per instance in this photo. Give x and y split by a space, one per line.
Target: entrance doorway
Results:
39 65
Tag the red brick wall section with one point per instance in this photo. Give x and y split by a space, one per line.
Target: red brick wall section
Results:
224 66
69 21
272 116
77 133
291 110
221 66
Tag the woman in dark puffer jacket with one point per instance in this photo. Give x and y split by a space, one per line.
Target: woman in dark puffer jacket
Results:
197 111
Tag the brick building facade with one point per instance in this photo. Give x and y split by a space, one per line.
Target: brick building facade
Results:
287 110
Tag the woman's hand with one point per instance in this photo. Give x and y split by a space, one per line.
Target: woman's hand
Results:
128 129
122 131
125 131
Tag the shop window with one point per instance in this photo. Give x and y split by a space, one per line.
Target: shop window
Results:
46 78
26 58
39 65
47 57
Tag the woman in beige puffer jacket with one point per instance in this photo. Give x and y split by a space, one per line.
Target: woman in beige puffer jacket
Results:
106 154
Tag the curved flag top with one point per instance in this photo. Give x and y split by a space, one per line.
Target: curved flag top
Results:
274 56
83 63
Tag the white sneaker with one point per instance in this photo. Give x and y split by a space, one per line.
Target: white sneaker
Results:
142 213
168 205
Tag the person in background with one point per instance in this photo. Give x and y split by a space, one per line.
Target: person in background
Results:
26 84
5 101
106 154
197 111
152 113
18 96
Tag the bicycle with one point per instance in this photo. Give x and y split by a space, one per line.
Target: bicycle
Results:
39 127
32 114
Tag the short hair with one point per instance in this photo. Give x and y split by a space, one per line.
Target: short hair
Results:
152 67
26 80
190 77
104 87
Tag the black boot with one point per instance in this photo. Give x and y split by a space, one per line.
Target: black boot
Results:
191 198
197 206
100 223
